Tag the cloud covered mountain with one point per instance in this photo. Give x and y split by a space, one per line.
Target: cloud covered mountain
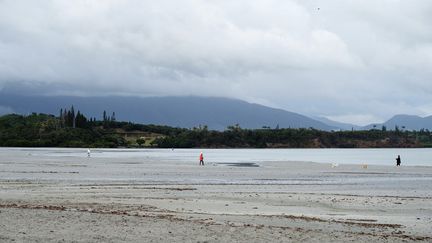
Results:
216 113
348 60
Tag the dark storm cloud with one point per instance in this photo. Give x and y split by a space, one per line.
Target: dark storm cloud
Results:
355 61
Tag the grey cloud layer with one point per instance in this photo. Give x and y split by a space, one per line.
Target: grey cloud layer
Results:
356 61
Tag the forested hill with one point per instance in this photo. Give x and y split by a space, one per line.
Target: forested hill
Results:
72 129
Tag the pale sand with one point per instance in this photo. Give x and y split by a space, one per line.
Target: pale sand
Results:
183 202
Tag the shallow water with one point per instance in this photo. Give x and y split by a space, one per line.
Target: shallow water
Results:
411 157
231 166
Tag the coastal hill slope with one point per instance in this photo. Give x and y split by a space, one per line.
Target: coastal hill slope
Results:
340 125
405 122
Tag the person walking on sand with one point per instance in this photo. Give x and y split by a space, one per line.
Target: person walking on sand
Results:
398 161
201 159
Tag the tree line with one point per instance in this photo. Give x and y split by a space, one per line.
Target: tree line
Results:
73 129
236 137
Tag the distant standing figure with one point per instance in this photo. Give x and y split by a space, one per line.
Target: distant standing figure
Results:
398 161
201 159
88 153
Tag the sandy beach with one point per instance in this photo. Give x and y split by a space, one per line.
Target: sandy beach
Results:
78 199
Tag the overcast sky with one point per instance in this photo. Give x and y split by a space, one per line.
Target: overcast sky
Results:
355 61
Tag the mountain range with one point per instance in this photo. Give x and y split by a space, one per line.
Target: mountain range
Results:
188 112
191 111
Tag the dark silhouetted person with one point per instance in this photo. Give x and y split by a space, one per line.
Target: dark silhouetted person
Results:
201 159
398 161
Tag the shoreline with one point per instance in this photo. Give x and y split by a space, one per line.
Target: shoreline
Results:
376 157
175 200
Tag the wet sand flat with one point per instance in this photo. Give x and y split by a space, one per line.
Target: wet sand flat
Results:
55 198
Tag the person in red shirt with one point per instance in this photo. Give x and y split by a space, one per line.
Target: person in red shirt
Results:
201 159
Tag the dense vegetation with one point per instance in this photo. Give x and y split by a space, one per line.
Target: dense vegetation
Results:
40 130
72 129
296 138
